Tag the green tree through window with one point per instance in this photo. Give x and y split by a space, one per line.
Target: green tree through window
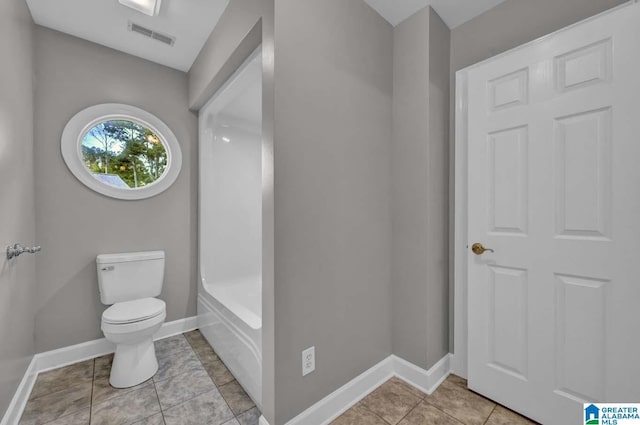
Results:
124 153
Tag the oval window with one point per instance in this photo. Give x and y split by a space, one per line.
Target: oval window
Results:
121 151
124 154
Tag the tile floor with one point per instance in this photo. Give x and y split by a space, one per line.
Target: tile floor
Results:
398 403
192 387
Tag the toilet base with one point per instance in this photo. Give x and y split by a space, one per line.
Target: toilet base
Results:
133 364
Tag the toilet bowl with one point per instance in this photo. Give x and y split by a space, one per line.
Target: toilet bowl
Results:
129 283
130 326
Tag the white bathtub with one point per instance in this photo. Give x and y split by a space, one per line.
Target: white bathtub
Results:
230 225
230 318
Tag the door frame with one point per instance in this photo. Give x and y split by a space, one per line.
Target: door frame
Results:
460 356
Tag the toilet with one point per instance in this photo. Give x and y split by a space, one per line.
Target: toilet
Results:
129 282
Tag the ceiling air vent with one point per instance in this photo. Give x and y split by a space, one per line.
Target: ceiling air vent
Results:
163 38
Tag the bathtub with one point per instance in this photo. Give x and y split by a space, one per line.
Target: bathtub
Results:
230 225
230 318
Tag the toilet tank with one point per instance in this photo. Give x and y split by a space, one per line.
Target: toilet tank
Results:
130 276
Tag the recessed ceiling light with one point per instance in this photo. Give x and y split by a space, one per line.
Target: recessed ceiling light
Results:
148 7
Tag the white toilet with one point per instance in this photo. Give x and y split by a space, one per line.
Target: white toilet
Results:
130 281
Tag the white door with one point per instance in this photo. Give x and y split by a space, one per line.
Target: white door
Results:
554 189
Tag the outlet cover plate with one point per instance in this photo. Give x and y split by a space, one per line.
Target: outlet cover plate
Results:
308 361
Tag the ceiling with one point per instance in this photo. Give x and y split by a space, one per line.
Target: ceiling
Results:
453 12
106 22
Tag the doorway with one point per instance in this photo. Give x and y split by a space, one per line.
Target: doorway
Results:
547 148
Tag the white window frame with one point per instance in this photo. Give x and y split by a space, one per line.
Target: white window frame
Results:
83 121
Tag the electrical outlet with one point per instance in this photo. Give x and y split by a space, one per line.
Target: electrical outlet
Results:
308 360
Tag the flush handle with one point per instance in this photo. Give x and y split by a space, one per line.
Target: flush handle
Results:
108 269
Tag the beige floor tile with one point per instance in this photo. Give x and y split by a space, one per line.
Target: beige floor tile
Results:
209 408
207 355
218 372
103 365
168 346
236 397
177 364
408 387
250 417
358 415
502 416
126 409
180 388
103 391
80 418
455 379
426 414
460 403
197 341
63 378
392 400
50 407
156 419
205 352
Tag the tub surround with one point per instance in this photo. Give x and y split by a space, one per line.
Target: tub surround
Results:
243 27
237 343
230 218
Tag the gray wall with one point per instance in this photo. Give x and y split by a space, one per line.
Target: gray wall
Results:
516 22
73 223
17 277
332 192
235 36
419 158
438 185
410 194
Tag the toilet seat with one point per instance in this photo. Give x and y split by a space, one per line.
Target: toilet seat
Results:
135 311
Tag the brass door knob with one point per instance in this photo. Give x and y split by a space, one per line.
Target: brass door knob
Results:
479 249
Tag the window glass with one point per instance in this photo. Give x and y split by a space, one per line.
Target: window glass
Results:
124 154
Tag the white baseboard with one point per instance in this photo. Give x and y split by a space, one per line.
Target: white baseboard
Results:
177 327
54 359
262 421
426 380
336 403
99 347
19 401
346 396
73 354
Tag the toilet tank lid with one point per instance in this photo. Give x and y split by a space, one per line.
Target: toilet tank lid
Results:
129 256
